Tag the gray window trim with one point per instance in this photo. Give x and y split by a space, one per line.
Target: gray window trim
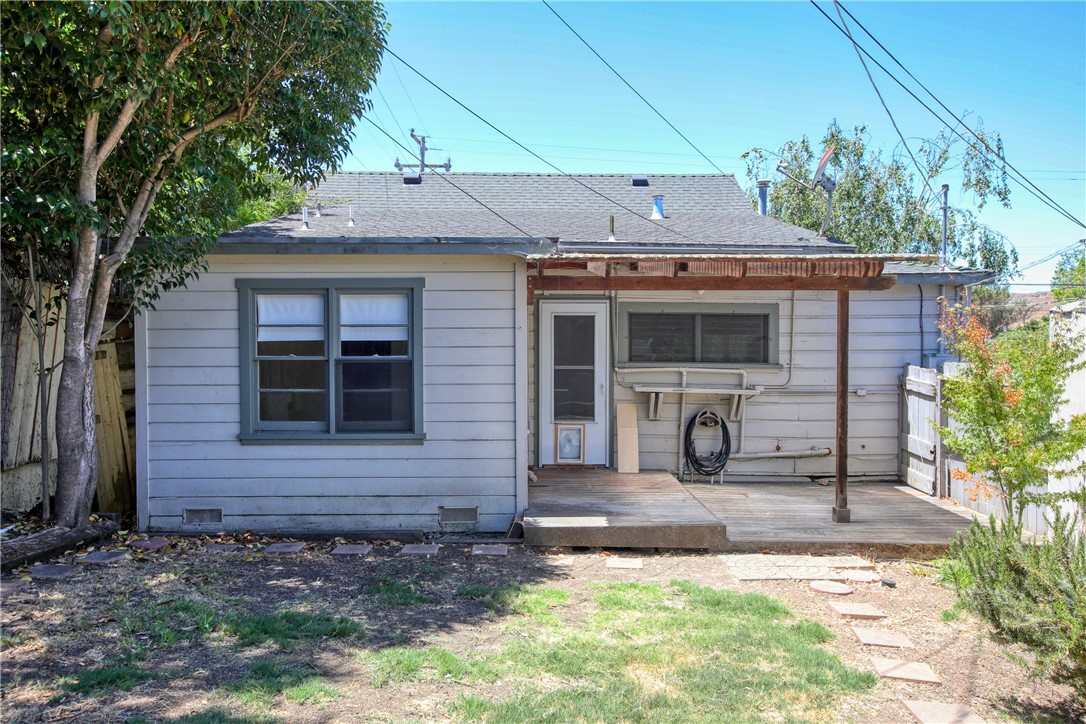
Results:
622 330
304 433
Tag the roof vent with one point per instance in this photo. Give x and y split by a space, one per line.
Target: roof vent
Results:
412 178
639 179
657 207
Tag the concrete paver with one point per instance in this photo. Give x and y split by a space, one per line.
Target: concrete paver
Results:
837 589
906 670
764 573
102 558
857 610
490 549
933 712
52 572
883 637
625 563
861 576
284 548
352 550
151 544
420 549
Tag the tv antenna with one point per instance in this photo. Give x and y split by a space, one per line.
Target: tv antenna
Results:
422 165
820 179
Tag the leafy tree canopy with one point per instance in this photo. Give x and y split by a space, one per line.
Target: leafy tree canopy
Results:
882 206
1069 279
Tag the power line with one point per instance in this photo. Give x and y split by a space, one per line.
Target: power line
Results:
923 173
943 105
635 91
422 125
500 132
446 180
390 111
1051 204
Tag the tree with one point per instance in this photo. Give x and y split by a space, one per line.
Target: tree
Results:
1003 406
130 122
881 206
1069 279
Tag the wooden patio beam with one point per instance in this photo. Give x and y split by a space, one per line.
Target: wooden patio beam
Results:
709 283
841 513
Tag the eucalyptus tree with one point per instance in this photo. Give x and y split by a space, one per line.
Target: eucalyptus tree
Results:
884 205
130 128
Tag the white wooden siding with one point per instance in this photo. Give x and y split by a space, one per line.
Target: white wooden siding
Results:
190 415
888 330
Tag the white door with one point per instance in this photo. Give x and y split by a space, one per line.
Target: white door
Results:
573 403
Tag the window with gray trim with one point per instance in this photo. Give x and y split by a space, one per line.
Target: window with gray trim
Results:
698 334
331 359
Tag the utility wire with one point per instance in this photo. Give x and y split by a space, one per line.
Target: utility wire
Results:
1042 260
448 181
635 91
855 47
943 105
502 133
409 100
1054 206
390 111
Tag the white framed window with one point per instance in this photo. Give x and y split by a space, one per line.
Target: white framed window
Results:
331 360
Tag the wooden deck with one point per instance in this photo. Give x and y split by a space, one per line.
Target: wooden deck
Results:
607 509
603 508
887 519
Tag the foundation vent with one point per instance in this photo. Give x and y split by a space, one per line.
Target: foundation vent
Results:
202 516
458 519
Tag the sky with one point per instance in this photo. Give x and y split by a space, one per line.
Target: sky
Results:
733 76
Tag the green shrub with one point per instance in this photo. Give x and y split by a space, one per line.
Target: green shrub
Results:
1032 593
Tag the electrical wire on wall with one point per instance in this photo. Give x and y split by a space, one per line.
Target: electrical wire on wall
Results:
713 463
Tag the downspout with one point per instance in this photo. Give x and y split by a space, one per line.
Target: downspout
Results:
920 321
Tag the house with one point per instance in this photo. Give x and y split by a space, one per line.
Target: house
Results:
398 355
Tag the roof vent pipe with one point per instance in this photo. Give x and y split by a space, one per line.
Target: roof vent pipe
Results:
763 196
319 210
350 215
305 217
657 207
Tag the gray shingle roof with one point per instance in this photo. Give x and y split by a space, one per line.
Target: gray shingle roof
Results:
700 210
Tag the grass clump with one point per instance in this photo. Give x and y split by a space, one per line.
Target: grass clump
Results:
165 623
677 653
287 628
400 663
392 593
218 715
533 601
271 678
102 680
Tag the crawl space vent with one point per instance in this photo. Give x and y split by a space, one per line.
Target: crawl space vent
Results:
202 516
458 519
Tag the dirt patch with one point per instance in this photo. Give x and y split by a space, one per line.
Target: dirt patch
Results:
176 615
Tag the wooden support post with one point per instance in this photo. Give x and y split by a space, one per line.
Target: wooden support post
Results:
841 513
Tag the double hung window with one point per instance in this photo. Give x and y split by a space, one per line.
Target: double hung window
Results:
331 359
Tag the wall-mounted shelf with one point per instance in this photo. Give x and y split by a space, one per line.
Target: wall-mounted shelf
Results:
737 395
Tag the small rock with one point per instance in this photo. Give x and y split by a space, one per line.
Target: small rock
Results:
888 583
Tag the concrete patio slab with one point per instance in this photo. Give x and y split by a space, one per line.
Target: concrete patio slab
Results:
933 712
905 670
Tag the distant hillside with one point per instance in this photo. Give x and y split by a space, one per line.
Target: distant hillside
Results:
1034 305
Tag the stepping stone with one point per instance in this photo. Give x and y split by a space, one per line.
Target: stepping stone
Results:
221 547
812 573
933 712
52 572
14 586
747 560
558 561
854 562
861 576
857 610
493 549
151 544
102 558
837 589
352 550
906 670
420 549
282 548
882 637
625 563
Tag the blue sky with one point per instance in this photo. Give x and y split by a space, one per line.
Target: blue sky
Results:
736 75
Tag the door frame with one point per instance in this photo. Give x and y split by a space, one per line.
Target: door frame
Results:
604 415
